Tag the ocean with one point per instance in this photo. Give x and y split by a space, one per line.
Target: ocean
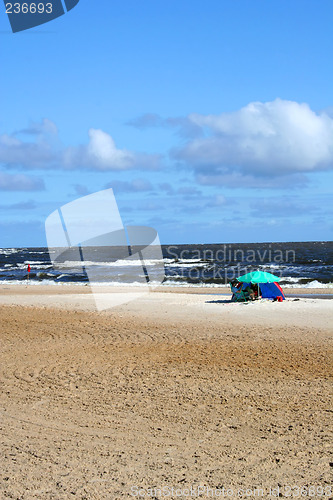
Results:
307 264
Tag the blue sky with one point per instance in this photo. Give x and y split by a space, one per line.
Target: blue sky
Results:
212 121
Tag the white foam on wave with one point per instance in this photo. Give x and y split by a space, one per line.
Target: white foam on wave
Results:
184 265
311 284
117 263
273 266
317 284
289 279
194 285
8 251
41 282
34 264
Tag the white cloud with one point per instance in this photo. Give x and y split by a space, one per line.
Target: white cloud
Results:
81 190
44 151
15 152
282 207
23 205
188 191
102 150
166 187
186 127
238 179
134 186
261 139
101 153
147 120
20 182
46 126
217 201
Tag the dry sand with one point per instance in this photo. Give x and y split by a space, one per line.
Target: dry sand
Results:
172 390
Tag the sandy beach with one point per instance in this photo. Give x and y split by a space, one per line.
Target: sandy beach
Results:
180 390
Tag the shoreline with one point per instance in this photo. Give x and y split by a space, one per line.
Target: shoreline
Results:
68 288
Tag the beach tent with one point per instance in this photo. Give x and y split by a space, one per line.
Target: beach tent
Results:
267 284
271 291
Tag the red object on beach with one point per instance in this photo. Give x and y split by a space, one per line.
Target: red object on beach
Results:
29 268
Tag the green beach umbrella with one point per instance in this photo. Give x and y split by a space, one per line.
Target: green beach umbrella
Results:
258 277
